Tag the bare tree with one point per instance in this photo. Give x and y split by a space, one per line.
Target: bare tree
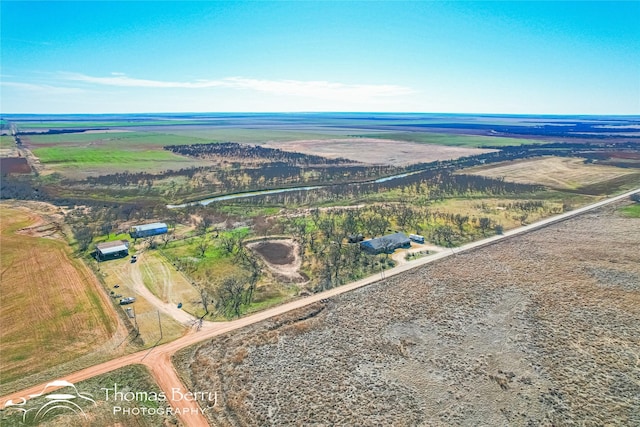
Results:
404 215
460 221
167 237
204 296
444 233
204 225
151 242
231 296
485 224
522 218
202 245
84 237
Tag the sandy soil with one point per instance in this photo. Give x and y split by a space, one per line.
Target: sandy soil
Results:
540 329
377 151
399 255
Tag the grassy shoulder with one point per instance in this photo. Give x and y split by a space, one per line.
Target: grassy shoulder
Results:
631 211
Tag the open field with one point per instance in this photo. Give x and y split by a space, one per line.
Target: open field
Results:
166 283
78 155
52 310
14 165
559 173
377 151
7 142
452 140
540 329
157 321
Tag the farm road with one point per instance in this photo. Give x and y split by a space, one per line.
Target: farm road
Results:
133 274
158 359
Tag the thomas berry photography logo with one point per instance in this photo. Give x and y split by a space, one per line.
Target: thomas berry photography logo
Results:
66 399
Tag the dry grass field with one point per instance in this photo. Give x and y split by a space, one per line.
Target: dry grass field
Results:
538 330
157 318
169 285
377 151
51 308
560 173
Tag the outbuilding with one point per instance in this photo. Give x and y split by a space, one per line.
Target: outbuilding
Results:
112 250
386 244
147 230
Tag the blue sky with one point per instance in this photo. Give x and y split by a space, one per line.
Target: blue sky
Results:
214 56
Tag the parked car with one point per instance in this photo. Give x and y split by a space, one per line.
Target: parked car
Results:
134 258
127 300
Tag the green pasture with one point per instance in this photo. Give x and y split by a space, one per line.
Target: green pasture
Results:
115 139
632 211
81 156
452 139
7 141
259 135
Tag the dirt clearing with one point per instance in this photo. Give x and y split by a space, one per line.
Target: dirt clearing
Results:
377 151
280 256
539 329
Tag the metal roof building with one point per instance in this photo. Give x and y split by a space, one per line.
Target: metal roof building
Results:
387 243
115 249
147 230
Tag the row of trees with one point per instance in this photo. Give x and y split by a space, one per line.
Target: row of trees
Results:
419 187
256 153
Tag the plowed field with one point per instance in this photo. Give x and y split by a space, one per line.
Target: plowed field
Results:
51 309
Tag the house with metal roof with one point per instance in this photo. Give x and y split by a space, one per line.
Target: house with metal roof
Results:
111 250
386 244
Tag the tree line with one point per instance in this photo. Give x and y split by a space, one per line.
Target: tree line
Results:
253 152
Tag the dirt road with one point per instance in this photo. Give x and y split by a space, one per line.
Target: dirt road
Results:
158 359
134 272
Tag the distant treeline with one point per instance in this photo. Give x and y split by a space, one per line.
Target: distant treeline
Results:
59 131
253 152
266 176
345 179
559 129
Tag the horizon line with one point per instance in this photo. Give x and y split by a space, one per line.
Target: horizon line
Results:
2 115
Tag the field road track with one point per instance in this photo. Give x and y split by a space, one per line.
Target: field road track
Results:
134 272
158 359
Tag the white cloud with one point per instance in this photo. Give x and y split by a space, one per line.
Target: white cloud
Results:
315 89
45 89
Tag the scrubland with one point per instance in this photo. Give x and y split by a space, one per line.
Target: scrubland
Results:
539 330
